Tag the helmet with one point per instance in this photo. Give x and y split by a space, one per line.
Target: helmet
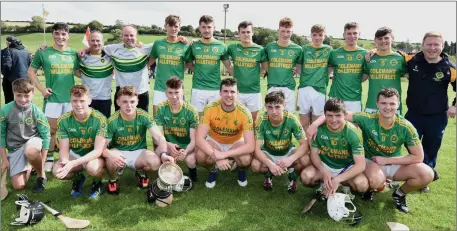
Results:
184 185
337 210
162 198
31 212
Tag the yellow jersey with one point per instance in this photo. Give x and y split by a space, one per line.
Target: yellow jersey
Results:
226 127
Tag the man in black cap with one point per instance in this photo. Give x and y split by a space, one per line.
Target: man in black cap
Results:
15 63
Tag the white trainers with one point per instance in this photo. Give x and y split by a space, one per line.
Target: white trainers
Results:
49 164
210 185
243 183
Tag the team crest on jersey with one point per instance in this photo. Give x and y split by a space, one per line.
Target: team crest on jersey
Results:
317 53
235 122
254 53
215 50
29 121
394 138
182 121
333 141
344 142
350 57
325 52
383 62
438 76
286 132
290 53
129 129
102 60
178 50
393 62
359 57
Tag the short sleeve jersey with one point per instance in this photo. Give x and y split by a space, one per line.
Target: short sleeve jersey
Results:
281 61
226 127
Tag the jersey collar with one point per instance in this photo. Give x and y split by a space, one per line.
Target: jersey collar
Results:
338 130
85 119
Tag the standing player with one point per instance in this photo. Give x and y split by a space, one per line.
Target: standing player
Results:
25 133
348 62
178 121
127 134
283 55
248 58
81 135
225 132
274 152
385 68
59 64
96 72
207 54
170 55
337 153
384 134
312 90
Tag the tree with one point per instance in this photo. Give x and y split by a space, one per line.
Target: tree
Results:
119 24
228 32
78 28
117 37
336 44
446 47
154 27
2 25
328 40
401 46
37 23
95 25
263 36
299 40
188 28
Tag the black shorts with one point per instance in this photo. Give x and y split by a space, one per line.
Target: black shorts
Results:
103 106
143 100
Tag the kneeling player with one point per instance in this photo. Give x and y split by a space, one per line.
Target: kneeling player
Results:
81 135
384 133
178 120
274 152
337 153
127 136
25 133
225 132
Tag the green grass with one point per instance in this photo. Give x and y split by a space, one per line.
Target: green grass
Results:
230 207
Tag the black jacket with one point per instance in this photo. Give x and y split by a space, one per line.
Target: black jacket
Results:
20 61
428 85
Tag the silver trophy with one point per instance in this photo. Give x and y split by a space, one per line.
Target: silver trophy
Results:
160 191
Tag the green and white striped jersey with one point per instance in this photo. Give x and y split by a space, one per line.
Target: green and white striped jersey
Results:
97 74
130 65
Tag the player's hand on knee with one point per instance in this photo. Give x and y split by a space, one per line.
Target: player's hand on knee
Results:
182 154
118 159
5 164
67 167
173 149
284 163
223 165
379 160
275 169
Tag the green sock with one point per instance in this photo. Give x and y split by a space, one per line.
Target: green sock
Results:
292 175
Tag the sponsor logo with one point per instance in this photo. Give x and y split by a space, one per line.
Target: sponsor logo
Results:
72 130
340 57
161 48
415 68
438 76
372 61
374 132
324 137
29 121
273 50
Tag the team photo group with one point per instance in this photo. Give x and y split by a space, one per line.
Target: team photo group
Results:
329 142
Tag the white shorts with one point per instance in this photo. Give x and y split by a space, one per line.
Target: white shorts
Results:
371 110
291 104
309 98
353 106
200 98
131 157
54 110
77 156
253 101
18 161
223 147
275 159
337 171
388 170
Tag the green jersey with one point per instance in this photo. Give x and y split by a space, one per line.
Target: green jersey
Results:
281 61
277 140
384 71
337 148
59 68
129 135
387 142
81 133
347 75
176 126
207 56
246 65
314 70
170 61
